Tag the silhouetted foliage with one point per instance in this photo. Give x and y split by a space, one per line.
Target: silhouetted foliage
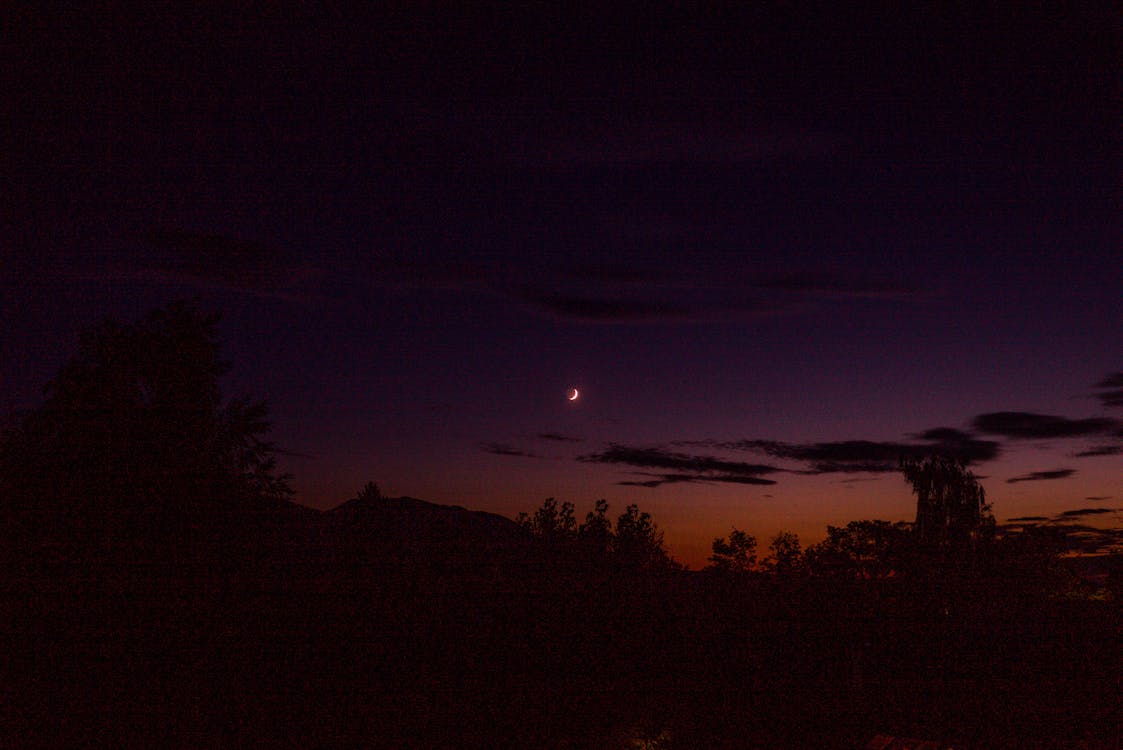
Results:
133 428
785 555
369 493
638 539
861 550
737 556
551 523
951 509
596 532
1029 562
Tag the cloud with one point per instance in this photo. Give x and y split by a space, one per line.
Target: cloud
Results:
1098 497
1101 450
502 449
853 467
662 479
1092 540
603 309
615 142
683 467
1114 380
612 274
218 260
627 294
1111 398
1111 390
1022 425
663 459
834 285
945 435
559 438
1086 512
827 457
1029 518
868 456
427 274
1039 476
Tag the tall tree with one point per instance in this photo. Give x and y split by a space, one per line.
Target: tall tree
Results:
951 508
134 427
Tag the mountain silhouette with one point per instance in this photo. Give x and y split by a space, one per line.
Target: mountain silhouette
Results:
409 522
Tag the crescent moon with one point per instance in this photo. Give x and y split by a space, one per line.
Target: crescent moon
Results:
573 394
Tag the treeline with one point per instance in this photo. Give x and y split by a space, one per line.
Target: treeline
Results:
964 636
955 535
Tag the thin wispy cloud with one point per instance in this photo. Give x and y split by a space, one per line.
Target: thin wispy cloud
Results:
614 274
661 479
605 309
220 260
559 438
1091 540
1100 450
1086 512
836 286
1042 476
502 449
205 260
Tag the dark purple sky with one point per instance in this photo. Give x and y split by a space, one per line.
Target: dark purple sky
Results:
773 251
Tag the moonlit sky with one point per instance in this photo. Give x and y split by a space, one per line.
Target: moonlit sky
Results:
773 252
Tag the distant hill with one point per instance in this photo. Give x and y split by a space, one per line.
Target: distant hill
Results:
407 520
391 536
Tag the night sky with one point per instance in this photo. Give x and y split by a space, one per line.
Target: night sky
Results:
773 251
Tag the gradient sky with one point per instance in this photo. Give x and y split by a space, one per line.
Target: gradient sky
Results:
773 252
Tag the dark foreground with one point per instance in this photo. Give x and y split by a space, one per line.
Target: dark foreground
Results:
400 624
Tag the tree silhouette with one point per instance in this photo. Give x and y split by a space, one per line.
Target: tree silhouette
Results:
596 533
785 557
736 556
551 523
638 539
134 428
369 493
861 550
951 509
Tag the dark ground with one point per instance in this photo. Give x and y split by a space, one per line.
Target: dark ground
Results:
401 624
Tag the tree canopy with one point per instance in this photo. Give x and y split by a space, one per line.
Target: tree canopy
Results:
635 540
735 556
951 508
134 427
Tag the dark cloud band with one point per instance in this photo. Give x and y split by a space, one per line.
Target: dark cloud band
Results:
682 467
1023 425
859 456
